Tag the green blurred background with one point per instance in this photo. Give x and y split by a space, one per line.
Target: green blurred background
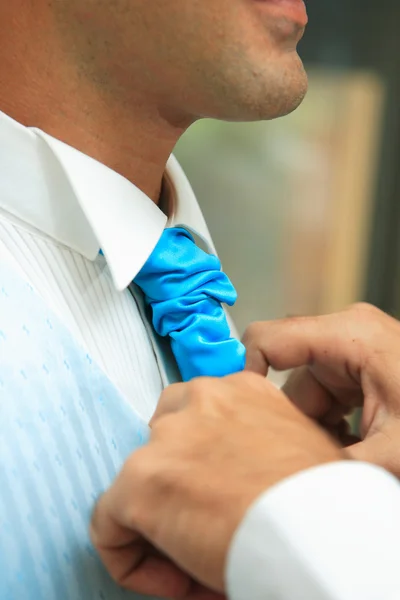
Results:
305 210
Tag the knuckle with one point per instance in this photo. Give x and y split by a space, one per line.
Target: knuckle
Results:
146 476
253 384
253 332
365 311
368 328
138 467
170 392
200 389
166 427
209 396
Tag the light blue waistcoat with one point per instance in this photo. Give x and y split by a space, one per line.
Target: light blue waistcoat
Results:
65 431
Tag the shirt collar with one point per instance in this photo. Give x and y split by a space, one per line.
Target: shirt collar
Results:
86 206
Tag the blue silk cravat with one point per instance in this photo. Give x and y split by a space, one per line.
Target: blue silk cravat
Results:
185 288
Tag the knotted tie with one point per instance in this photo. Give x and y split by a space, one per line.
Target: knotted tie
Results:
185 287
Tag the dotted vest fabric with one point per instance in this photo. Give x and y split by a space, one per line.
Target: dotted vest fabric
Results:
65 432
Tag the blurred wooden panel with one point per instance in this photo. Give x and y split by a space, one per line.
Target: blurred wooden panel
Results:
329 220
356 157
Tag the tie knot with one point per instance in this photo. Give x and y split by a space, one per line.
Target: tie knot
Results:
185 288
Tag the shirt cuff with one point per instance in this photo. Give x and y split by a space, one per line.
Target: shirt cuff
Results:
329 533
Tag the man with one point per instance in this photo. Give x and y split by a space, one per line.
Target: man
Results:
252 498
120 82
94 95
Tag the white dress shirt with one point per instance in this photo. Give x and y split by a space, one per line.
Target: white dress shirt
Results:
330 533
327 534
58 207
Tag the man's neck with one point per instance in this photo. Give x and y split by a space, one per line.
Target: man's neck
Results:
133 137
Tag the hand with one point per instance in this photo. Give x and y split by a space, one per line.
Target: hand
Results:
344 360
216 445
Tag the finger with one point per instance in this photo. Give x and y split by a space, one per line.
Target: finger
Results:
155 576
380 449
119 512
295 342
320 404
133 562
106 531
308 394
152 574
256 360
118 547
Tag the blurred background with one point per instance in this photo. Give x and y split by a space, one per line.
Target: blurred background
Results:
305 210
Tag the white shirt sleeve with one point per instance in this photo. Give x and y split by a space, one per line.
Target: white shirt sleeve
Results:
330 533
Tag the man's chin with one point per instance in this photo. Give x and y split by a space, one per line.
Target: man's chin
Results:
273 93
289 90
294 99
274 107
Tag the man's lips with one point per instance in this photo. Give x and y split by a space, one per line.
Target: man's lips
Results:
294 10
